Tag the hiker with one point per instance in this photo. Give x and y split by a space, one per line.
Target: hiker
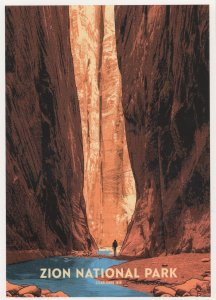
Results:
114 245
89 242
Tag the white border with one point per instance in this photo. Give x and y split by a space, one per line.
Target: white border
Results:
212 4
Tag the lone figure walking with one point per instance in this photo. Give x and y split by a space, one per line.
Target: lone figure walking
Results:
89 246
114 245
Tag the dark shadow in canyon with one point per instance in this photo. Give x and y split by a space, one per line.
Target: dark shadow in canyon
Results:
163 56
45 204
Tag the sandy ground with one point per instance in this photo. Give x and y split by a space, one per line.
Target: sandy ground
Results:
188 265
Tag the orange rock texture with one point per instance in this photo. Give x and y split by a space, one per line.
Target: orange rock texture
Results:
164 63
109 188
45 203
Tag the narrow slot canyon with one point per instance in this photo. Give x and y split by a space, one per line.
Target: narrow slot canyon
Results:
107 115
109 188
119 63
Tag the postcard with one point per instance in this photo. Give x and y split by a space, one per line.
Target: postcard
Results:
108 151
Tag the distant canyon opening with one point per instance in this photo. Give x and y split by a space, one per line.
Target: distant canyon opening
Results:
109 187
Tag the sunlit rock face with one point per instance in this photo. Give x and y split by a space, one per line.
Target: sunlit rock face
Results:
108 181
164 63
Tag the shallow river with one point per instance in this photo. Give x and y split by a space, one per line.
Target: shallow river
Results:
29 273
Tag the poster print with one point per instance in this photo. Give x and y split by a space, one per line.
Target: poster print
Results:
107 123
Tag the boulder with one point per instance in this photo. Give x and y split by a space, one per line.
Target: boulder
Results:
28 295
207 273
166 295
205 259
187 295
193 283
203 285
208 278
161 290
8 294
56 294
194 292
30 289
12 288
45 291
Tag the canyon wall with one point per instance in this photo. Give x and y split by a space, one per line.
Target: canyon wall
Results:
109 187
45 203
163 56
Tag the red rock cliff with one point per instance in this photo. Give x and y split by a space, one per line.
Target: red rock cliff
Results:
45 203
163 55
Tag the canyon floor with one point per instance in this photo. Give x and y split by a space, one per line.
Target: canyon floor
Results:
193 275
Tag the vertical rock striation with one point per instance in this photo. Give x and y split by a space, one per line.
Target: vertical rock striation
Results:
163 56
108 180
45 203
118 197
85 45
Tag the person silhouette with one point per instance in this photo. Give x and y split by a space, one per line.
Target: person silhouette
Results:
89 242
114 245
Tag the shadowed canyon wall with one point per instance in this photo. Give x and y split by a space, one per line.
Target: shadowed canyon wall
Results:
45 203
109 187
163 56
